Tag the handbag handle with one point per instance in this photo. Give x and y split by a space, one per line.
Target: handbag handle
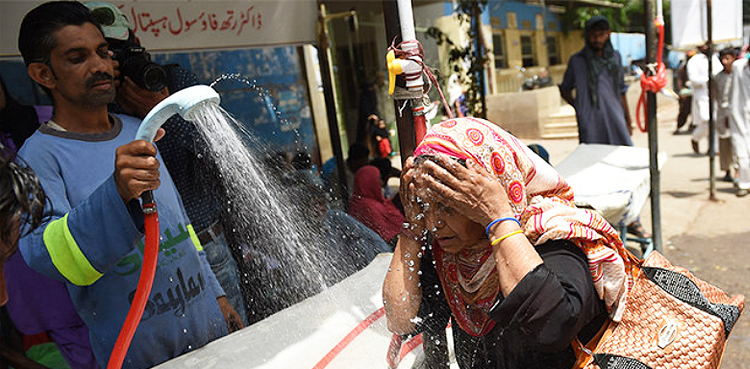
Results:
585 353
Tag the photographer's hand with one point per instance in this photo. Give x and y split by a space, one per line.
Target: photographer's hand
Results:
137 101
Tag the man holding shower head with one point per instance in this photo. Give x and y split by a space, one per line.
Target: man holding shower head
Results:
93 174
184 152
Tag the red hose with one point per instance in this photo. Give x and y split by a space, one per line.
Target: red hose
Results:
652 83
145 282
420 124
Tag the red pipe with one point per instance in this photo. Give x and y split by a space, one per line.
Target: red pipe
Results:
145 282
652 83
420 123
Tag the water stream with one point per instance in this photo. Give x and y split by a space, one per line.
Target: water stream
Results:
274 220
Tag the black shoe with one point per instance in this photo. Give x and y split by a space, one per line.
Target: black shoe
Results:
728 178
696 149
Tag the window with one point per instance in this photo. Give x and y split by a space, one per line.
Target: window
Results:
498 49
553 51
527 51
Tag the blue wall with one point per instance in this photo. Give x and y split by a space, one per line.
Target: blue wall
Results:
500 8
631 46
273 104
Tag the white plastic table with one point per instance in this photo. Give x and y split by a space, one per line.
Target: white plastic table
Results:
613 180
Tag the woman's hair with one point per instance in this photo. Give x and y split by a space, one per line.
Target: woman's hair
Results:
21 197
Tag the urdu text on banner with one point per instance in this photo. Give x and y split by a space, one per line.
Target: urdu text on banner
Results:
185 25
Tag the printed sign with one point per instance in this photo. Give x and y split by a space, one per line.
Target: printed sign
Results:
689 22
185 25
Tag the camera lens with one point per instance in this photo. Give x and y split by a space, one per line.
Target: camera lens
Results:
154 77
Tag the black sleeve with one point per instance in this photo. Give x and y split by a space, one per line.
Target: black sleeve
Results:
434 312
554 302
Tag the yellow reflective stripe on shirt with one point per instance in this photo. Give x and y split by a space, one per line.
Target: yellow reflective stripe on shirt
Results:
194 237
66 255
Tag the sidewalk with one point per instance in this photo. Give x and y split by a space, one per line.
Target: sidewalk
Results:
710 238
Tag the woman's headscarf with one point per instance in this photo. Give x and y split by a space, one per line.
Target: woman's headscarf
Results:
542 201
371 208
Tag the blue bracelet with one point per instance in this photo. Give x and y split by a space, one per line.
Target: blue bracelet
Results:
498 221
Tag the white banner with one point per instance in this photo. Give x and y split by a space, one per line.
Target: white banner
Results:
689 22
184 25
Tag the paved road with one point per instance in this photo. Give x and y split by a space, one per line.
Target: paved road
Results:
709 237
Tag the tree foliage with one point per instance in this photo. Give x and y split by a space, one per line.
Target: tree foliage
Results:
465 60
628 19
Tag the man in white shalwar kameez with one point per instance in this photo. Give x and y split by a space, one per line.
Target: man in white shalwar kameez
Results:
739 102
697 70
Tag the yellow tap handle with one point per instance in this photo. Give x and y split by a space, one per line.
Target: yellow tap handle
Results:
394 69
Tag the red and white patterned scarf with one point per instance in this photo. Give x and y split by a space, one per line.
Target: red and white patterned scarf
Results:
542 201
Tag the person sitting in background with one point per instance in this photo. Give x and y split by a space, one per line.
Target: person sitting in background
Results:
382 138
353 245
304 167
371 208
495 244
387 171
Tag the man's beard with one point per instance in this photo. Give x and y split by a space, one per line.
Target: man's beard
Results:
93 98
596 47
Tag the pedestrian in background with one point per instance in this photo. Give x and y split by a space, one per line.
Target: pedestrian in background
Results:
598 80
722 84
739 103
685 93
697 70
600 102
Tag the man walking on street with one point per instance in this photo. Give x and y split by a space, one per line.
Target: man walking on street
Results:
600 102
739 103
697 69
595 73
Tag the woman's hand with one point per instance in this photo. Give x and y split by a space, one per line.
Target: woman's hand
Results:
407 191
470 190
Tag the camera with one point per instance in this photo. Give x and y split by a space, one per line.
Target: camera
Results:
135 63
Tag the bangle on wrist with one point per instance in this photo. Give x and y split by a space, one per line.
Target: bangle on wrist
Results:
498 220
498 240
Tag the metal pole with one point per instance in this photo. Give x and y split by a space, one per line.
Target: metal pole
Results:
324 50
711 123
476 24
653 142
404 120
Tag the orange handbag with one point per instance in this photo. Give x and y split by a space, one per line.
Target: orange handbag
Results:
672 320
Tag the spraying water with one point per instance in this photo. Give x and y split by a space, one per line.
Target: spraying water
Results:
278 224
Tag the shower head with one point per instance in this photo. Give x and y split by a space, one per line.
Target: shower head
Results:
183 102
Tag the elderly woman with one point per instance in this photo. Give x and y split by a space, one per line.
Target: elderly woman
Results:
494 244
